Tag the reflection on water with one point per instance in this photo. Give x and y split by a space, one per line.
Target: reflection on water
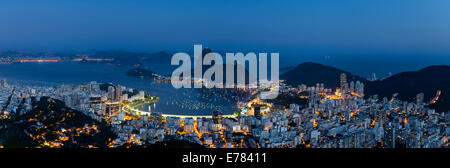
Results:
190 102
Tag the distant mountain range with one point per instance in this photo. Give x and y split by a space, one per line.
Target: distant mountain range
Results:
247 74
407 84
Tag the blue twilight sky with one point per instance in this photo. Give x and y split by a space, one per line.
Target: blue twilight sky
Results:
331 28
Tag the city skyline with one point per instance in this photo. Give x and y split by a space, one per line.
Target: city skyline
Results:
236 74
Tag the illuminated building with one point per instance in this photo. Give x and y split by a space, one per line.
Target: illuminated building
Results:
344 85
217 117
95 100
352 86
374 77
112 108
389 137
111 92
419 98
118 93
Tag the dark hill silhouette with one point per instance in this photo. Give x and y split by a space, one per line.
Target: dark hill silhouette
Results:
310 74
248 76
162 57
408 84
